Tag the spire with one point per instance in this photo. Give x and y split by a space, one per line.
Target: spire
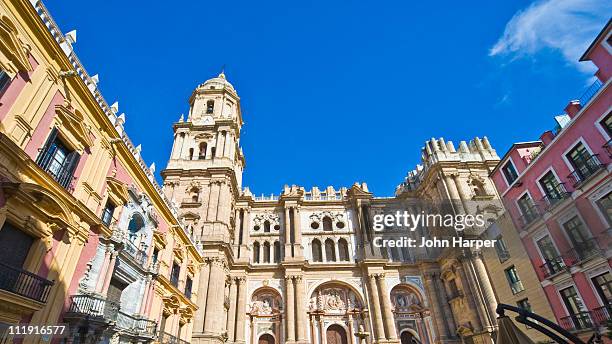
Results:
222 73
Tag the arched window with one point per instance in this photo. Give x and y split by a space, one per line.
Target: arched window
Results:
327 223
343 251
317 253
276 251
136 224
210 106
266 252
330 250
267 226
202 153
190 153
256 252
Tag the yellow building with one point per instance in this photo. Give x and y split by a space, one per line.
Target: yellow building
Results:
512 275
87 237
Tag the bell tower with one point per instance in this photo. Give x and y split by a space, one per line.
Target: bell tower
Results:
203 179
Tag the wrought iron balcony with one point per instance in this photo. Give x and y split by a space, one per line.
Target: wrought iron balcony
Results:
608 147
585 169
24 283
93 306
138 325
586 250
577 322
554 196
602 315
590 92
552 266
140 256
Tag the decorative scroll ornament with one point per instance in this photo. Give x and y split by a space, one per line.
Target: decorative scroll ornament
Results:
259 219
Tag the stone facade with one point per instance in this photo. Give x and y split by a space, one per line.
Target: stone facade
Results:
301 266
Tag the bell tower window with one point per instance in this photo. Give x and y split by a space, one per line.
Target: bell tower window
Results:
202 153
210 106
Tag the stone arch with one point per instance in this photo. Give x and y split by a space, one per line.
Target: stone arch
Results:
267 338
329 281
335 294
317 250
405 299
256 252
341 329
265 302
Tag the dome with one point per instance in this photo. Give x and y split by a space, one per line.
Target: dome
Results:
218 82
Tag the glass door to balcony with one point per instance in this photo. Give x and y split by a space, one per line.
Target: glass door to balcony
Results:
583 245
577 311
552 261
552 189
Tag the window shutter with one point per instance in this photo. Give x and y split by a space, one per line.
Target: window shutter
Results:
44 156
72 160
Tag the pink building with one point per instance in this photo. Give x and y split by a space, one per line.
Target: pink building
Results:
558 191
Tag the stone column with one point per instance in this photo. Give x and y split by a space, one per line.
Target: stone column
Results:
231 319
389 321
454 195
109 272
287 234
462 197
438 314
298 232
446 309
143 301
103 268
241 309
198 323
215 298
290 309
475 303
300 297
485 284
377 315
213 198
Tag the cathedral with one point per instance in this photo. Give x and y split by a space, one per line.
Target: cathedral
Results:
302 266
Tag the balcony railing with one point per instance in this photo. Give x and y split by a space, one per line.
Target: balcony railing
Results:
554 196
601 315
590 92
529 216
577 322
166 338
139 255
24 283
93 306
585 169
552 266
583 251
608 147
142 326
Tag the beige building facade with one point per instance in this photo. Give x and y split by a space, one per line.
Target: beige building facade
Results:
303 266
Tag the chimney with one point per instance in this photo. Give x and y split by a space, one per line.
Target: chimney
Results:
547 137
572 108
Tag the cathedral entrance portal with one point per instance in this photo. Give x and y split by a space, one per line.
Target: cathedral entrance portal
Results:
408 338
336 335
266 339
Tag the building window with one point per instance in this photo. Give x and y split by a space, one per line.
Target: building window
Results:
343 250
266 252
553 263
513 279
584 164
174 275
266 226
327 223
528 208
190 153
210 106
256 252
603 286
502 249
606 123
107 213
14 246
317 252
188 286
202 153
5 79
509 172
136 224
277 252
583 246
553 190
330 250
524 304
605 204
578 316
58 160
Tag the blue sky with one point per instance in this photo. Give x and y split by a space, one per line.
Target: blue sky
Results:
344 91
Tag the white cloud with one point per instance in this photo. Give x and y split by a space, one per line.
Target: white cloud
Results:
568 26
